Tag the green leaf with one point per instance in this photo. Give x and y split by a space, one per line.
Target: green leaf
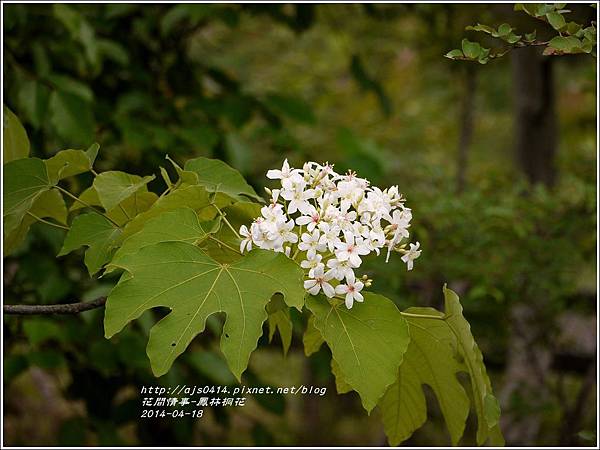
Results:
556 20
14 138
180 225
471 49
312 338
564 44
279 319
113 187
452 54
340 383
430 359
49 204
530 37
573 28
71 117
96 232
194 286
292 107
487 417
504 30
217 176
24 180
511 38
194 197
129 208
480 27
367 341
67 163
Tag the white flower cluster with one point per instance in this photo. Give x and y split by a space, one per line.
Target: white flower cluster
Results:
328 222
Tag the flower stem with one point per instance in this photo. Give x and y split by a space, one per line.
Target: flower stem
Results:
39 219
227 221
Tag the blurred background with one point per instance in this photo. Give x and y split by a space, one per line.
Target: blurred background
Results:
498 163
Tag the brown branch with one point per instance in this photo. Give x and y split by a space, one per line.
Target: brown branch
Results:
68 308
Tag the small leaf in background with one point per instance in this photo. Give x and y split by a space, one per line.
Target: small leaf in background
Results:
217 176
556 20
97 233
72 118
39 330
362 155
292 107
182 277
24 180
564 44
279 320
15 143
368 83
33 98
80 30
367 341
471 49
212 366
238 152
453 54
504 30
71 85
113 187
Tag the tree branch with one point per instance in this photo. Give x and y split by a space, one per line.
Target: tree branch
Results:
68 308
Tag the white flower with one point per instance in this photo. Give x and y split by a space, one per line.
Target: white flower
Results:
298 199
340 269
285 172
330 235
246 243
311 219
319 281
352 290
351 249
412 254
312 264
283 233
310 244
344 217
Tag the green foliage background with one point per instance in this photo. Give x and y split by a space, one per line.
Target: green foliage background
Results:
365 87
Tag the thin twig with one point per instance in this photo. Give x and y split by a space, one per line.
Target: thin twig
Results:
67 308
